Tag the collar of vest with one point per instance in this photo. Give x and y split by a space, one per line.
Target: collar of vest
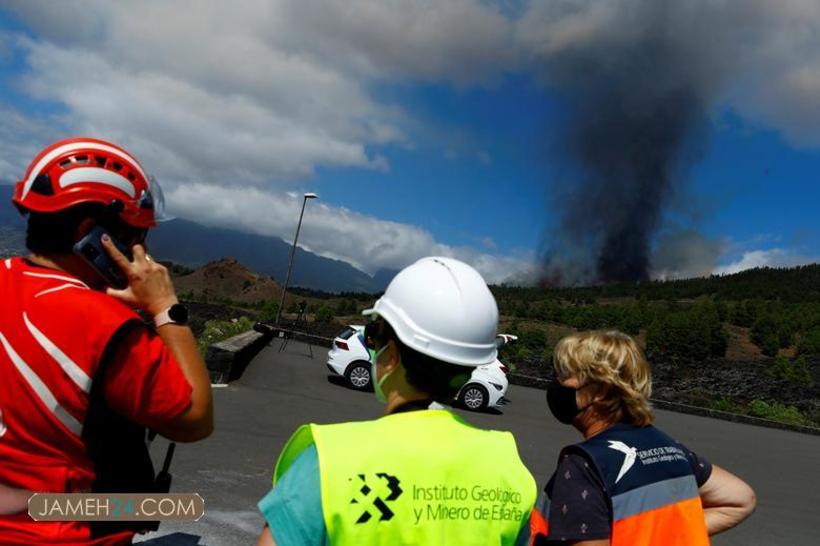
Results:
426 414
413 405
303 437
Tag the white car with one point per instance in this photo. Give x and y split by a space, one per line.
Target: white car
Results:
350 358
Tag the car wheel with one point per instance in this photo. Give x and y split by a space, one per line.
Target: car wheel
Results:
474 397
358 375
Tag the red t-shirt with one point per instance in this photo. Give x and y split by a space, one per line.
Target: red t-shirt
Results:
144 382
54 333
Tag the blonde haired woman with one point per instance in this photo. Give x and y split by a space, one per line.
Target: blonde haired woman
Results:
627 483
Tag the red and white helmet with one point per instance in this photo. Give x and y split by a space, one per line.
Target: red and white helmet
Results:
88 170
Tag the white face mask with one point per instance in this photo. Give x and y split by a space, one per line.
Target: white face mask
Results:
377 385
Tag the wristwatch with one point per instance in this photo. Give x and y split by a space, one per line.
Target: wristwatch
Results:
176 314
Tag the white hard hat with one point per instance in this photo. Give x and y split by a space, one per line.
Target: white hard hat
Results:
442 308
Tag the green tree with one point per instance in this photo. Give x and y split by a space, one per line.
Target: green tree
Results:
708 315
776 412
723 310
521 310
630 320
810 342
269 310
220 330
546 310
324 313
796 372
346 307
766 334
690 334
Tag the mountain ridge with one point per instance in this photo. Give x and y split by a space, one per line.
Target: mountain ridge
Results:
192 244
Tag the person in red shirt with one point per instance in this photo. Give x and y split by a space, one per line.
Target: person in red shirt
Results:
83 374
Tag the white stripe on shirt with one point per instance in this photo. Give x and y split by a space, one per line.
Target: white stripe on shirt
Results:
72 370
41 390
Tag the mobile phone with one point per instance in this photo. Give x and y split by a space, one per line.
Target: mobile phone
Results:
90 249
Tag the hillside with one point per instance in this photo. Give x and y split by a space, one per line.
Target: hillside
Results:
184 242
192 244
9 216
12 242
227 279
795 284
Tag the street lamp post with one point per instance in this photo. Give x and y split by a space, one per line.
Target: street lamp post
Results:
292 252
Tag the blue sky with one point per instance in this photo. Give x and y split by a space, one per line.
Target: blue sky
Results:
480 177
418 142
750 186
760 186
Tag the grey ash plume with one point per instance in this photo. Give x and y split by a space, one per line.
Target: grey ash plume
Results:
636 102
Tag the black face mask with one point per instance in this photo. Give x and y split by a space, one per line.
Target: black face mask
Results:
561 401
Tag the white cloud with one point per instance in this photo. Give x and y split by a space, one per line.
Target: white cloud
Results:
759 57
774 257
455 40
334 232
255 95
189 130
21 137
489 243
233 104
251 91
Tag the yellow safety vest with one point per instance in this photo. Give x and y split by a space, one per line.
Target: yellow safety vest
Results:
420 477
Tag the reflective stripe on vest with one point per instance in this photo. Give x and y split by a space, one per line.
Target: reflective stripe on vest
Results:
667 512
420 477
539 521
653 491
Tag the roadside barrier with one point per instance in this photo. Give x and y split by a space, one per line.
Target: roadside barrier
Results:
227 359
300 335
539 383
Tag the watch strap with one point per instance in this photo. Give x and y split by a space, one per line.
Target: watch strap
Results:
164 317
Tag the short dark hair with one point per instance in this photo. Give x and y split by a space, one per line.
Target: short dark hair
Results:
441 380
54 233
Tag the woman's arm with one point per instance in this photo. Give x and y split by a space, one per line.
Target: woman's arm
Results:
727 500
266 538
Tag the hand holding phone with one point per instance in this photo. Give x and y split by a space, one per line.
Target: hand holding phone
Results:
149 285
90 249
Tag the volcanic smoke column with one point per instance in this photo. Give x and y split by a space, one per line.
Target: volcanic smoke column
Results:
636 100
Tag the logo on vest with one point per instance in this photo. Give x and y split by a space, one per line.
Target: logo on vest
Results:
629 456
3 428
386 514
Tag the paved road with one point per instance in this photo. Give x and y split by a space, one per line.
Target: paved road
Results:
279 391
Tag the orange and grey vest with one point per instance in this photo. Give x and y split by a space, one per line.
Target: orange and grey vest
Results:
651 488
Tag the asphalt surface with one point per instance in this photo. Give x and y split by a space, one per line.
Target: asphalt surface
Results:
280 391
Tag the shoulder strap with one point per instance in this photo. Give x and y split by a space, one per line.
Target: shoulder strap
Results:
116 446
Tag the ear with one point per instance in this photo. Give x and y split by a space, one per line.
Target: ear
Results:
84 227
601 392
393 360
